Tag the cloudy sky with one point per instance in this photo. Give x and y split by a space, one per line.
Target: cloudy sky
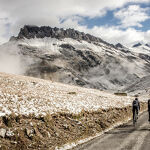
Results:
124 21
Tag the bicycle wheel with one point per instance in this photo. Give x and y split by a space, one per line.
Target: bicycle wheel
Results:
135 119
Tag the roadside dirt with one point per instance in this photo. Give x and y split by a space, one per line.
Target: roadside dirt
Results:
47 132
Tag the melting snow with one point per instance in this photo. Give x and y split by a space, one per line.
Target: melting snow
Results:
141 49
53 44
26 95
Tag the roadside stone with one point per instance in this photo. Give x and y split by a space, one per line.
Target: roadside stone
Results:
9 133
13 142
29 132
1 122
79 123
49 135
91 125
7 121
31 124
36 131
2 132
57 134
66 126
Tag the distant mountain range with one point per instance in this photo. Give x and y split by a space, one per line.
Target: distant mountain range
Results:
139 44
73 57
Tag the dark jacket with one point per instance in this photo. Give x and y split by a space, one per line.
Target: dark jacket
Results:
149 105
137 106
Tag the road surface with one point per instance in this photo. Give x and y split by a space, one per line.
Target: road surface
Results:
124 137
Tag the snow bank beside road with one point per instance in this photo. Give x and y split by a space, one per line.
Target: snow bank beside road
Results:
26 95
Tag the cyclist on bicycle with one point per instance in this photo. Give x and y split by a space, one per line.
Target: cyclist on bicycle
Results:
135 107
149 110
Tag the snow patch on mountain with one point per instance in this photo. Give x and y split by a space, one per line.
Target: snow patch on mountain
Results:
141 48
25 95
53 44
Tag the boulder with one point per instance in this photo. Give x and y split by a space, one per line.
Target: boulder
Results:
2 132
10 133
29 132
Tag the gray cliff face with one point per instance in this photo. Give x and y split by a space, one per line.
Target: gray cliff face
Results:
119 45
82 59
141 85
30 32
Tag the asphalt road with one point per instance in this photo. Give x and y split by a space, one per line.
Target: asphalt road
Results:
124 137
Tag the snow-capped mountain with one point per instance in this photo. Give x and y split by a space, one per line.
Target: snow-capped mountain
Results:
72 57
137 45
141 48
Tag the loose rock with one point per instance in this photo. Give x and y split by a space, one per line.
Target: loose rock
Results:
2 132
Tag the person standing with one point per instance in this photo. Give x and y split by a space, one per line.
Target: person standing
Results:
149 110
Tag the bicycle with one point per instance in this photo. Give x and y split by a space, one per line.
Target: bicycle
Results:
135 118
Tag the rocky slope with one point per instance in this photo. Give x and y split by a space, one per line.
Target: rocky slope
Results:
140 86
31 32
22 95
58 131
40 114
72 57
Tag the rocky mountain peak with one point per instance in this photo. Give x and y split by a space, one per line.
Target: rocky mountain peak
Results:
12 38
119 45
148 45
137 45
30 31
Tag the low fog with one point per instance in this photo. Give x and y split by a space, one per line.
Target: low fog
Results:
12 61
115 73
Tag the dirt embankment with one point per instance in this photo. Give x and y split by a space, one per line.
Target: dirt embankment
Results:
45 133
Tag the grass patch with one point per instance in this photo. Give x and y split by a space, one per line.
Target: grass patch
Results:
73 93
120 94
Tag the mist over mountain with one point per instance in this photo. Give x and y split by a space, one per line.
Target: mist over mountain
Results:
73 57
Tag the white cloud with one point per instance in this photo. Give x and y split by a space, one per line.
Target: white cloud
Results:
2 32
50 12
132 16
115 35
3 24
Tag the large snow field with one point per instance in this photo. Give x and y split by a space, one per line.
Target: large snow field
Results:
26 95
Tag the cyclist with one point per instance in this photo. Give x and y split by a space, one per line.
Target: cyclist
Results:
149 110
135 107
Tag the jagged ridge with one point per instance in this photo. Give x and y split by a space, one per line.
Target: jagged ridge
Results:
30 32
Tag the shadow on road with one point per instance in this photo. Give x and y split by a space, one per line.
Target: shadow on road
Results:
126 129
144 129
